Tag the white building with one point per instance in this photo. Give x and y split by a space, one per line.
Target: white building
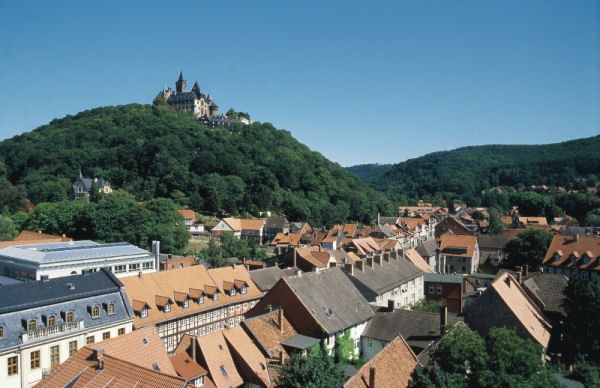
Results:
51 260
44 323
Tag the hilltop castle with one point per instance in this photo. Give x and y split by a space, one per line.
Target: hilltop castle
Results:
194 101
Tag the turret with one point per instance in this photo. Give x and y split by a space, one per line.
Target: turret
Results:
180 85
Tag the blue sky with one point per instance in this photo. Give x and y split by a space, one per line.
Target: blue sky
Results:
360 82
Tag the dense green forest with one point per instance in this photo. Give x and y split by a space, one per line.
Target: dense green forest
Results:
152 152
465 172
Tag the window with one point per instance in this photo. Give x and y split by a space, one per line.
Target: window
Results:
34 358
106 335
134 267
120 268
148 265
54 357
215 297
1 332
243 290
72 348
69 317
252 303
232 292
231 309
13 365
584 275
237 307
431 289
95 312
199 381
111 309
594 276
121 331
167 307
31 325
245 305
201 299
231 322
586 259
90 340
186 303
51 320
144 312
439 290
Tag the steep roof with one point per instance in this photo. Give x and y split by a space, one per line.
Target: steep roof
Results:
265 278
392 366
548 289
568 247
141 347
331 298
365 245
413 256
292 239
522 307
248 353
187 368
188 214
427 248
216 356
265 330
491 241
81 370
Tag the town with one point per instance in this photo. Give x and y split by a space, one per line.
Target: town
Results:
380 300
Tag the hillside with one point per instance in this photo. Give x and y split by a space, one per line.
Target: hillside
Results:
465 172
364 171
153 152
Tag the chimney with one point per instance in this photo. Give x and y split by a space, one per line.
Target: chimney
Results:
280 319
576 236
377 259
372 377
140 274
194 348
295 257
378 222
349 267
99 357
526 270
281 357
370 261
520 277
443 319
391 304
156 254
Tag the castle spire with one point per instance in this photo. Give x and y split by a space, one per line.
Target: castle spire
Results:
80 174
180 76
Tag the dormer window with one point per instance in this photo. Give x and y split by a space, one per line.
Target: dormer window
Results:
51 320
232 292
167 307
556 257
95 312
110 309
573 259
215 296
31 325
69 317
144 313
586 259
243 290
199 381
201 299
186 303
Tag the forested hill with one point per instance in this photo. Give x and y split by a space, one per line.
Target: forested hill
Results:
365 171
465 172
153 152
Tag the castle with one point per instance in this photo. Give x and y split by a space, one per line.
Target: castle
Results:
194 101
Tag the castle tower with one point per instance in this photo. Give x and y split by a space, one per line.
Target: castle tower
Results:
180 85
196 89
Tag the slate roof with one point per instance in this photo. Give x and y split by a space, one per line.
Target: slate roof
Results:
548 289
331 299
427 248
378 279
388 220
27 301
383 229
491 241
265 278
443 278
299 341
393 367
69 251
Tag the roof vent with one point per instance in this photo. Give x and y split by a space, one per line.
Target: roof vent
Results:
145 341
155 366
71 286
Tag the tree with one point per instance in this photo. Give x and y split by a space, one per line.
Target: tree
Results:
95 195
529 248
496 226
315 371
8 231
587 373
166 224
592 218
582 306
461 350
433 377
344 348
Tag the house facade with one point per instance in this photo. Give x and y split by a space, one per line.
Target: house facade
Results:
191 300
458 254
567 254
43 323
247 229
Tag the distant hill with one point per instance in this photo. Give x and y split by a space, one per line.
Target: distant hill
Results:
466 171
153 152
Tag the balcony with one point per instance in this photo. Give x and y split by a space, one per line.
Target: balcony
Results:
32 335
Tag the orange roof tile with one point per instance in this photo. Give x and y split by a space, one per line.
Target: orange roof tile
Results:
413 256
249 354
141 347
448 240
238 224
515 298
28 235
393 367
186 367
154 288
565 246
188 214
217 358
265 329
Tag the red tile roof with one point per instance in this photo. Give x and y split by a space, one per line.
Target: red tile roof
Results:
569 251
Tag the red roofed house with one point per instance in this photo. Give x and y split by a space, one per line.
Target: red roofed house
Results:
246 229
458 253
569 253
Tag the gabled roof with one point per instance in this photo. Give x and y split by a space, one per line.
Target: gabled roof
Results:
187 214
413 256
247 352
378 279
515 298
449 241
187 368
217 358
265 278
392 366
491 241
365 246
427 248
81 370
265 330
548 289
331 298
142 347
533 221
313 255
574 246
277 222
292 239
